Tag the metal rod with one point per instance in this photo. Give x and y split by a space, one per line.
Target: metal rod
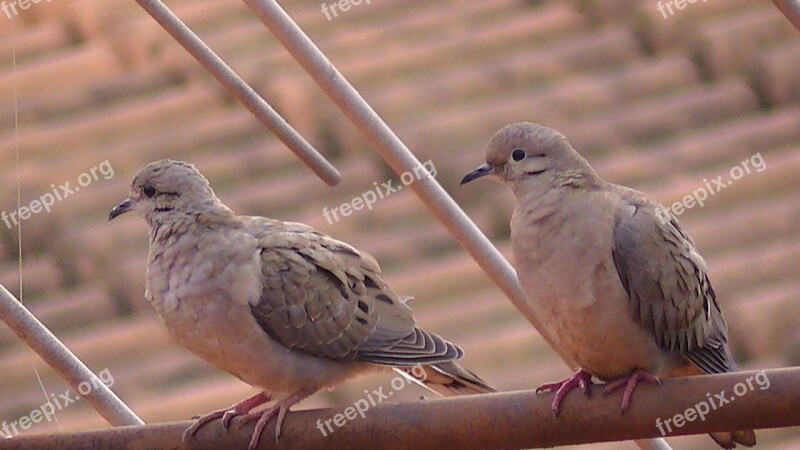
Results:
392 149
505 420
63 361
790 9
399 157
242 91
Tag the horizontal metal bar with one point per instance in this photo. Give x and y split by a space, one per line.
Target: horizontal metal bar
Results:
505 420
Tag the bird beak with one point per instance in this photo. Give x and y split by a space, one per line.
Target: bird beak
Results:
481 171
124 206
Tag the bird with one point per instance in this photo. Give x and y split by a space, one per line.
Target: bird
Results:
280 305
619 287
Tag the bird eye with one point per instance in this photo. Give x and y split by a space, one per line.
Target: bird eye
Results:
518 154
149 191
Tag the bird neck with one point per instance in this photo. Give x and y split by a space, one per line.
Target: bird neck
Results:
539 185
168 224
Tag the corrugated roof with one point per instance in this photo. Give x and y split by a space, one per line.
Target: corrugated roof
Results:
659 104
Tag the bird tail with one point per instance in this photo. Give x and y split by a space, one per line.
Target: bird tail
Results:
729 439
447 379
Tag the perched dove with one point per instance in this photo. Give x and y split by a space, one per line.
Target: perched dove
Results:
618 286
279 305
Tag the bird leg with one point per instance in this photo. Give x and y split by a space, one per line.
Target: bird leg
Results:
581 378
630 383
238 409
280 408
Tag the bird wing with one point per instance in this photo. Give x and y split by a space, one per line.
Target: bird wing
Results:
668 287
324 298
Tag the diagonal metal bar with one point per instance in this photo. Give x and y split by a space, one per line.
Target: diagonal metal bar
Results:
400 158
63 361
242 91
790 9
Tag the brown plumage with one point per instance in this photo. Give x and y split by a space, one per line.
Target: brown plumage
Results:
617 284
278 304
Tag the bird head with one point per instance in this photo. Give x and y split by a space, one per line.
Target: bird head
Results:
167 187
530 154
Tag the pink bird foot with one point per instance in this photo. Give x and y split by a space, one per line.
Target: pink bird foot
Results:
241 408
280 409
630 383
581 379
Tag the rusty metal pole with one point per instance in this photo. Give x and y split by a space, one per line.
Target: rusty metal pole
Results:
505 420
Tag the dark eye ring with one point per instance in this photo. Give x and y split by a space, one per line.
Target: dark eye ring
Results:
518 154
149 191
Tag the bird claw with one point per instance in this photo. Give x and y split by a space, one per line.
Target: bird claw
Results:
581 379
200 422
227 415
280 408
263 418
629 383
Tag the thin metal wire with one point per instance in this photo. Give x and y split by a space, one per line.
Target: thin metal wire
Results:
790 9
63 361
20 265
400 158
242 91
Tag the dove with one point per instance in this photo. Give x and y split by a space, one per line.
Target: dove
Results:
618 286
280 305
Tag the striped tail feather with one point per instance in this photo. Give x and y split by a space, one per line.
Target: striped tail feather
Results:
447 379
729 439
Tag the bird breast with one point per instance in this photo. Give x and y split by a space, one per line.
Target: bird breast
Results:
567 272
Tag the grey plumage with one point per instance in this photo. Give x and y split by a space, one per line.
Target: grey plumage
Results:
617 284
278 304
674 302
